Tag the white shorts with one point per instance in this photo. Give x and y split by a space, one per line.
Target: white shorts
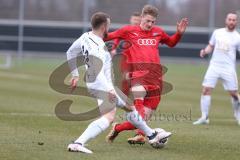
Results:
228 76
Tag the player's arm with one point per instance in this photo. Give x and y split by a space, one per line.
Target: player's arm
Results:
117 34
207 50
72 53
114 46
171 41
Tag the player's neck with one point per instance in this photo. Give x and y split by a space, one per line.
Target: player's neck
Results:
142 28
98 33
229 30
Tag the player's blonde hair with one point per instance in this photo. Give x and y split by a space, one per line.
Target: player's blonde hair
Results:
150 10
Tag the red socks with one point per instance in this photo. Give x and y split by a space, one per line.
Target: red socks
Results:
127 125
124 126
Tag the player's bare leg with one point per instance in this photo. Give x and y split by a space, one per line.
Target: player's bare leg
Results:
205 103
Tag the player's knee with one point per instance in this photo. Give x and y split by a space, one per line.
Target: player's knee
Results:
138 91
206 91
110 115
234 95
110 118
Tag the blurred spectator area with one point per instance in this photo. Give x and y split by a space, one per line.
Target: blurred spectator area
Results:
52 25
120 10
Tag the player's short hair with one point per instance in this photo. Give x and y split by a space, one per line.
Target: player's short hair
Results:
136 14
233 12
150 10
98 19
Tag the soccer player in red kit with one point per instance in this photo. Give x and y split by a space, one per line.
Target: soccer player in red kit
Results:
143 69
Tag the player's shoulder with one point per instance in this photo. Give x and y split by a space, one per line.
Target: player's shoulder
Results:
87 35
94 39
130 27
158 29
82 37
219 30
237 33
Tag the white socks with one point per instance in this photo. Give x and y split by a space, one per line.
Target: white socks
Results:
236 108
101 124
93 129
139 123
205 105
206 102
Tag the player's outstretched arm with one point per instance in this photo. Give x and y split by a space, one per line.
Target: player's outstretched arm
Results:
182 26
171 41
72 53
206 50
117 34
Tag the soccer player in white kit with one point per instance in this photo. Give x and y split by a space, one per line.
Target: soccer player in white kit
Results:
98 81
224 43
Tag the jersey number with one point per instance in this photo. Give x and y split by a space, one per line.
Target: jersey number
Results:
85 54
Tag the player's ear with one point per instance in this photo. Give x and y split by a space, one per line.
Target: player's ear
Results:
103 27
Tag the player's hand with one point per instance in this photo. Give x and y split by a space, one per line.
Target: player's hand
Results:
113 52
112 96
182 25
202 53
74 82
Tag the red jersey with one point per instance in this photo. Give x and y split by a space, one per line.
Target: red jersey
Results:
142 59
144 44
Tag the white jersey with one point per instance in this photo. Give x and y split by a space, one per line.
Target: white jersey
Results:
223 61
93 48
225 46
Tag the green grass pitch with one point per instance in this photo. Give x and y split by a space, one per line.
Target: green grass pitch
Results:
30 130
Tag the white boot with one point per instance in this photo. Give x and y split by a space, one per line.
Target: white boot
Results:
160 134
201 120
78 147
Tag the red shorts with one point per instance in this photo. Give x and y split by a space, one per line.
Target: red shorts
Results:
152 101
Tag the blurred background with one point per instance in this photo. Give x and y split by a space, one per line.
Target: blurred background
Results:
50 26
